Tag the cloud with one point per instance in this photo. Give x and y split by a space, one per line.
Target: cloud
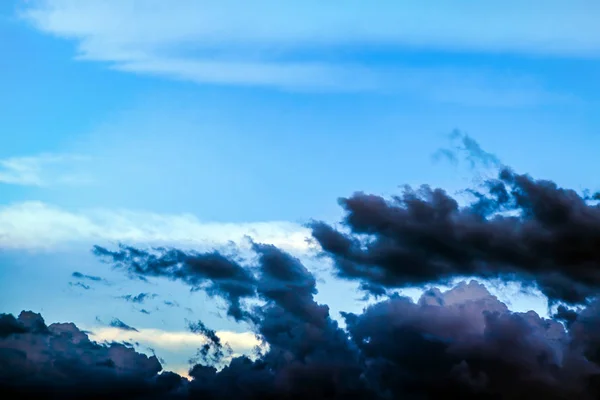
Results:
140 298
36 225
79 275
267 44
44 170
61 362
469 150
517 228
468 335
81 285
240 342
465 333
118 324
458 343
212 272
123 29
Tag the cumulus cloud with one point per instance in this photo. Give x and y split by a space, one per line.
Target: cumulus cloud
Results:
446 343
517 228
60 361
460 342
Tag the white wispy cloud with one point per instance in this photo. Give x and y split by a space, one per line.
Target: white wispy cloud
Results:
36 225
178 340
279 44
43 170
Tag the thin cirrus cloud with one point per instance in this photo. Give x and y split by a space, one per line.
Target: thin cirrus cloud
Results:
37 225
44 170
302 47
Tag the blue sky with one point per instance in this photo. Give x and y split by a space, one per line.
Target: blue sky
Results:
193 123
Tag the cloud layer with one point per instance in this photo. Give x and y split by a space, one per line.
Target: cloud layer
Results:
462 343
36 225
306 47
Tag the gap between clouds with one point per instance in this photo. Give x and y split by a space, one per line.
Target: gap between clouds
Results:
174 340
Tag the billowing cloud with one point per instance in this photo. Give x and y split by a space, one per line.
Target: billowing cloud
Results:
475 346
518 228
60 361
460 343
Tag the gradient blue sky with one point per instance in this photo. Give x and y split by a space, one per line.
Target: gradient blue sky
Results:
193 123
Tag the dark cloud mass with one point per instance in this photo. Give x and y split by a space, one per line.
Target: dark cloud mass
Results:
462 343
518 228
59 361
212 272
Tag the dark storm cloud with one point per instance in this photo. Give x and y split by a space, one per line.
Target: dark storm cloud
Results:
552 238
214 350
117 323
140 298
211 272
467 342
10 325
462 343
79 275
59 361
566 315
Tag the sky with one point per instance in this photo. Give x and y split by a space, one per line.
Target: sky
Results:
196 124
